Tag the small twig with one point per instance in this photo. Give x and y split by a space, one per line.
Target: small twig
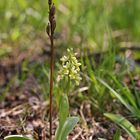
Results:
50 31
77 135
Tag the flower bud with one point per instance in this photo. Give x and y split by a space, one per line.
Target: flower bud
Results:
53 25
52 10
49 2
48 29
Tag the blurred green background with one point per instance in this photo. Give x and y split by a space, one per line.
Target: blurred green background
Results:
100 31
89 26
79 21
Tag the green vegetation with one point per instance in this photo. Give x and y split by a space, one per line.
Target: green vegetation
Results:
16 137
69 72
105 72
125 124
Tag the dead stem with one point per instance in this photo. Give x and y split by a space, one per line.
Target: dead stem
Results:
50 31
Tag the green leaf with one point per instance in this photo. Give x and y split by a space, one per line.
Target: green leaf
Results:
125 124
17 137
135 111
63 109
125 90
63 114
121 99
117 135
69 124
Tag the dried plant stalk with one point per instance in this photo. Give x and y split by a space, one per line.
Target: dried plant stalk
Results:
50 31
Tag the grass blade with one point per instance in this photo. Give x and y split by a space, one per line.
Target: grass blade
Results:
117 96
125 124
117 135
17 137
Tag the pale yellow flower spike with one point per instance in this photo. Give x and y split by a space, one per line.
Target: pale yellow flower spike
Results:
70 67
